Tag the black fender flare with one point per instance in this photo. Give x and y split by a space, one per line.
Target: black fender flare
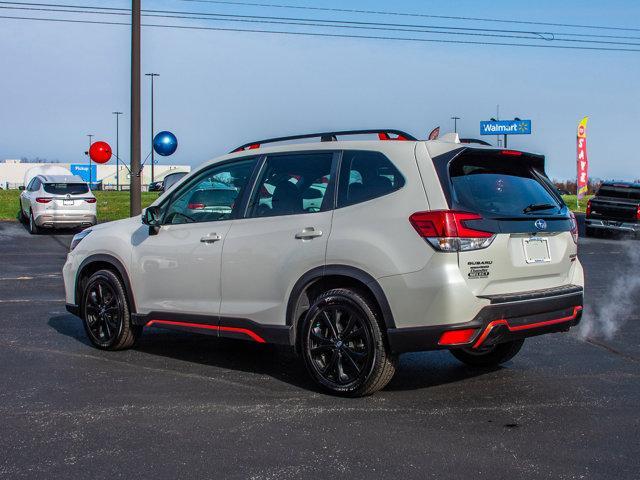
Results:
115 263
318 273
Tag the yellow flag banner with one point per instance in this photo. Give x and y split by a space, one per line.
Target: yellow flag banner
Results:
583 162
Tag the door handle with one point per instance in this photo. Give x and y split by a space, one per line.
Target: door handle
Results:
211 238
308 233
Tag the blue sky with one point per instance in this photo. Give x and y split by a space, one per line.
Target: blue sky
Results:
219 89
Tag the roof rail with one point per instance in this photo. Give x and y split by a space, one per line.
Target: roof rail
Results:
383 134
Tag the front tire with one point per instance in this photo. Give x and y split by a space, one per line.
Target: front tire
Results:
105 313
489 357
343 345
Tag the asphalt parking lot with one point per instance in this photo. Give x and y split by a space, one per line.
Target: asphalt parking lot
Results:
188 406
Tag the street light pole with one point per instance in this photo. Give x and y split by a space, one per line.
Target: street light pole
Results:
152 153
135 200
455 124
117 114
89 155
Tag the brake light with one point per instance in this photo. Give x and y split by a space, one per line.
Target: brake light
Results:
43 200
588 212
638 212
447 230
457 337
574 227
196 206
513 153
90 200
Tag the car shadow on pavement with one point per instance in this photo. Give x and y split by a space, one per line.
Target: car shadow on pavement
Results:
415 371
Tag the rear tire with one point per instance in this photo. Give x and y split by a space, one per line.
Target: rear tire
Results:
33 228
491 357
105 313
343 345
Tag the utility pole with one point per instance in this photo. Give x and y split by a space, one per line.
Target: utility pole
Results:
117 114
135 200
152 153
89 155
455 124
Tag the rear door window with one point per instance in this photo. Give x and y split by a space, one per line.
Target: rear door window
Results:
292 184
497 186
365 175
66 188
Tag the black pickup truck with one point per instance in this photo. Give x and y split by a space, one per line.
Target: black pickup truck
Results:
615 208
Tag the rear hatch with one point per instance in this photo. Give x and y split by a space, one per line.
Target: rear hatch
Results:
68 196
617 202
534 243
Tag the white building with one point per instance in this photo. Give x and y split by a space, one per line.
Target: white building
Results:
12 173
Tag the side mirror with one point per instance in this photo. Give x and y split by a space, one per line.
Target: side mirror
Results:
151 217
21 187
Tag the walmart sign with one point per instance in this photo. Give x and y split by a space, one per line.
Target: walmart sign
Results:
505 127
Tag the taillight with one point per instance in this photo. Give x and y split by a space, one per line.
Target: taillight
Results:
447 231
196 206
588 212
638 212
90 200
574 227
43 200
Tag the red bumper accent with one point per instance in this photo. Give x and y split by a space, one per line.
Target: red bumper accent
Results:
254 336
517 328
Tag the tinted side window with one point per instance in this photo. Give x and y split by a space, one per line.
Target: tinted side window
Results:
210 196
292 184
366 175
35 186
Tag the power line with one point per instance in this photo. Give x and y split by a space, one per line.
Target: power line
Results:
326 35
406 14
552 36
544 35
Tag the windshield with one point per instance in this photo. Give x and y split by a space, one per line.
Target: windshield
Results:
495 186
66 188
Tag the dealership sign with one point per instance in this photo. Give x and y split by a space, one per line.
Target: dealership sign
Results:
505 127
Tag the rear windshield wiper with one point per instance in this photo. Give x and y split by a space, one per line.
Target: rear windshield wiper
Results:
534 207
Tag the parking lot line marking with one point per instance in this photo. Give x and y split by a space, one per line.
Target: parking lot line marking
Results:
29 277
31 300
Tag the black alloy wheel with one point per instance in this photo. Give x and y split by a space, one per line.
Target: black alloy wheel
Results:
105 312
343 344
340 344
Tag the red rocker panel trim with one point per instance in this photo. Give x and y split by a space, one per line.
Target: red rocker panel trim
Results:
254 336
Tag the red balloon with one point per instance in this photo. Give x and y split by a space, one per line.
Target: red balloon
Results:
100 152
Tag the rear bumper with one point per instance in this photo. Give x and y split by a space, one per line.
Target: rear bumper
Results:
62 220
508 317
613 225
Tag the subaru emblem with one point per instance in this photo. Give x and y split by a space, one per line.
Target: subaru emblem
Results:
541 224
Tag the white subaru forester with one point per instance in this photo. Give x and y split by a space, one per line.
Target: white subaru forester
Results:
351 252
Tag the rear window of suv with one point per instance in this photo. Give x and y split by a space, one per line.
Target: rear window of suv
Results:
497 186
66 188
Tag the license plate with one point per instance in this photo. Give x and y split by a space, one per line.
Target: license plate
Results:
67 202
536 250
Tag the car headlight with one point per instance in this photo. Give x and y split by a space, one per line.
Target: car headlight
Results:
78 237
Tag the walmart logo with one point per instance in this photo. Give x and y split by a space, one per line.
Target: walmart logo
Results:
505 127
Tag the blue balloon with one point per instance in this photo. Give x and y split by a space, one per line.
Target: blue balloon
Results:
165 143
